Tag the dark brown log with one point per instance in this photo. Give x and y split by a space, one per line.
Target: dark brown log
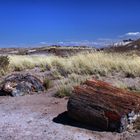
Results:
104 106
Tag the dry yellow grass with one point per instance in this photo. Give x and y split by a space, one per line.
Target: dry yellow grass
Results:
90 63
65 85
75 69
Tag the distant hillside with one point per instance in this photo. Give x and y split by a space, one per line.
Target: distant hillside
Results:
49 50
132 46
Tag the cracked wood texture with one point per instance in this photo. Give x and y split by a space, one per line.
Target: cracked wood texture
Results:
103 106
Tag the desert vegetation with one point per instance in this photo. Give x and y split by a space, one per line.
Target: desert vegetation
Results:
89 63
4 63
75 69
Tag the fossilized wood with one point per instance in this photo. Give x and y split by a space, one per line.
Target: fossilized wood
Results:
20 84
101 105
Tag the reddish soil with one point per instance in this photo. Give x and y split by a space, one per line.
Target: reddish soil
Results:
42 117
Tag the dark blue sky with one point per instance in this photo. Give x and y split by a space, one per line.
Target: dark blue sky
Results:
24 22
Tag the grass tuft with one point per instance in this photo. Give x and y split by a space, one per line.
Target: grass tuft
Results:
47 83
4 64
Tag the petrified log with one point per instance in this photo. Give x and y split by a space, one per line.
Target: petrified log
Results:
20 84
101 105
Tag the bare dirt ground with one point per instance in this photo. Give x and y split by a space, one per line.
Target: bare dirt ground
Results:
42 117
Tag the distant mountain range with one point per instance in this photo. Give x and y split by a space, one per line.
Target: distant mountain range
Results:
121 46
126 45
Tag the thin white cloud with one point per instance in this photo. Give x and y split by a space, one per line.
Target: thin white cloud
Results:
61 42
105 39
133 34
43 43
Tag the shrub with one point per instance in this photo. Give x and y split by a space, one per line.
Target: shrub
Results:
65 85
63 91
4 63
56 74
47 83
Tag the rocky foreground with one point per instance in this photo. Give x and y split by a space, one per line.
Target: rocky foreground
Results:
42 117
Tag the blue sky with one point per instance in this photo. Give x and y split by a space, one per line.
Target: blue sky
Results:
40 22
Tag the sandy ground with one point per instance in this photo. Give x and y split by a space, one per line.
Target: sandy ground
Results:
42 117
